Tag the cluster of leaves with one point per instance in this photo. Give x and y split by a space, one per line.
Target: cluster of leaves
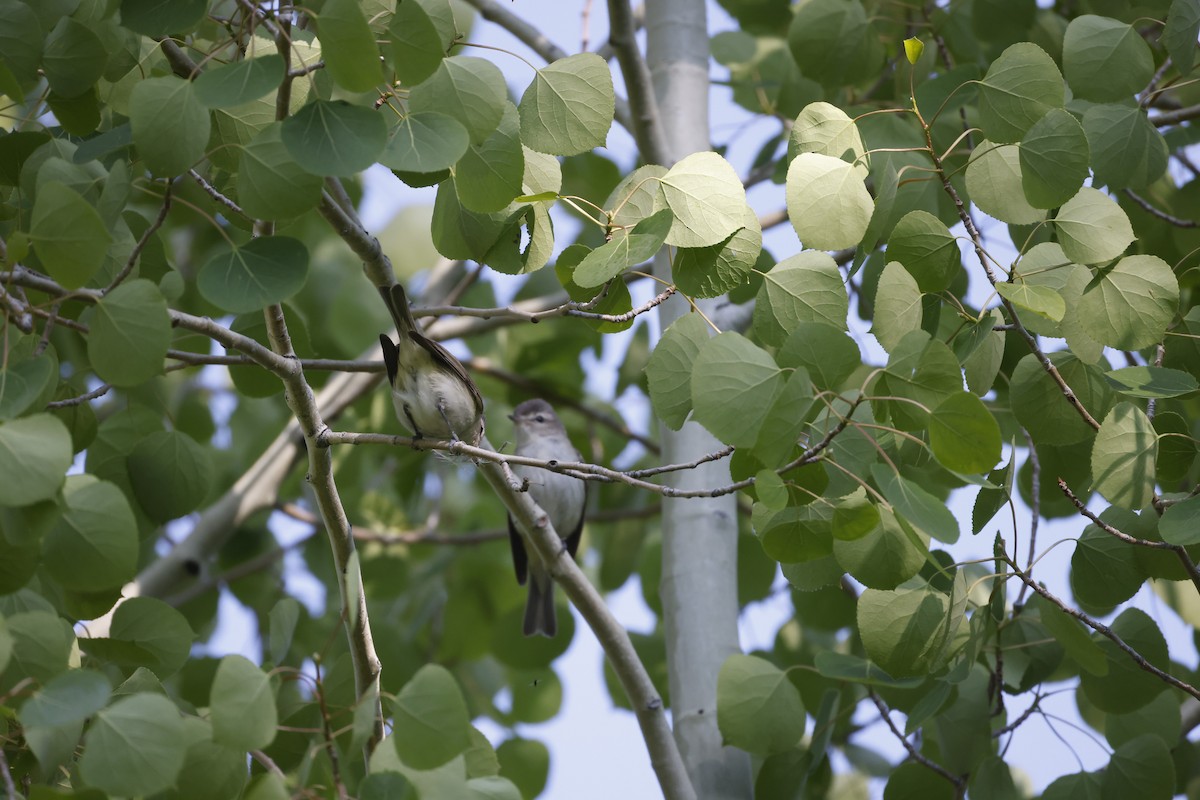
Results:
146 184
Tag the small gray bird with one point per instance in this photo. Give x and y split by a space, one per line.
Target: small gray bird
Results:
540 434
433 395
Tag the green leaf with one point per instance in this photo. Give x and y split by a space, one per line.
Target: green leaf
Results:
21 40
1104 569
52 720
134 747
1054 159
1126 149
1180 32
170 125
431 723
927 249
1123 457
239 82
525 762
171 475
68 235
827 202
242 705
715 270
94 544
1126 687
806 287
1105 60
758 708
1130 305
904 631
1017 91
266 270
25 382
1072 636
425 141
884 558
417 46
472 90
1152 382
131 332
612 258
460 233
792 535
491 173
1140 768
897 306
920 509
826 129
706 197
1180 523
1159 718
158 18
348 46
996 184
963 434
1039 405
854 517
846 667
734 383
828 353
73 58
334 138
35 452
145 633
1040 300
568 108
271 185
923 372
1092 228
669 370
832 42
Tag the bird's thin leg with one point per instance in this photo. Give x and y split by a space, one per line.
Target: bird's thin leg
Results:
441 407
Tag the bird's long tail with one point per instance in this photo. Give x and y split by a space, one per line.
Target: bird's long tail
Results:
397 303
539 608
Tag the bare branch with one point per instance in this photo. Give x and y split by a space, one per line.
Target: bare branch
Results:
647 124
136 253
1179 550
215 193
643 697
959 783
1107 633
1154 211
977 242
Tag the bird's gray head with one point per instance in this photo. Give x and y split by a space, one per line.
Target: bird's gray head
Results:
536 418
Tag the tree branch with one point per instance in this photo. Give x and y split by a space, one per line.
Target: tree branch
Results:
960 785
647 124
1178 550
643 697
1106 632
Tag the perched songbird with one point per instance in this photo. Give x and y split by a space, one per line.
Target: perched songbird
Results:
540 434
434 396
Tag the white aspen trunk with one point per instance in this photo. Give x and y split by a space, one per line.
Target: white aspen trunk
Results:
699 581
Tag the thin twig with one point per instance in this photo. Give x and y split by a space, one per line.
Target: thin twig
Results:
10 789
1107 633
95 394
1179 550
704 459
1035 508
215 193
646 121
335 763
977 242
136 253
1160 352
1178 222
957 781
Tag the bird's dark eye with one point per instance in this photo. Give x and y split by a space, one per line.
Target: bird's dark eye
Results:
540 418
